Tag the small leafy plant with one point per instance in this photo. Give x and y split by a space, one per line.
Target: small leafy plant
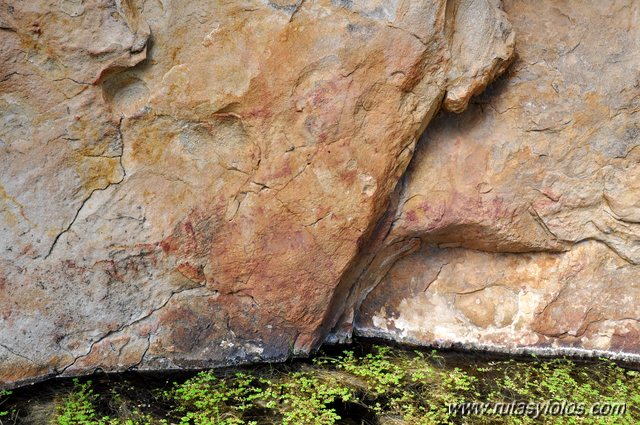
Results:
5 415
297 398
78 406
382 385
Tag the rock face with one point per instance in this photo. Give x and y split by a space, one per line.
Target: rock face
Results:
197 183
517 224
192 183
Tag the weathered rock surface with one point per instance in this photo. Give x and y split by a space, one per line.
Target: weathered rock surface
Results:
193 183
517 225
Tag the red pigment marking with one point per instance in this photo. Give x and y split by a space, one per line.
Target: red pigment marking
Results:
191 272
543 203
551 195
191 244
263 112
182 240
188 227
412 216
168 245
145 330
498 206
6 314
146 247
284 171
113 272
424 206
324 93
572 272
26 249
348 177
429 211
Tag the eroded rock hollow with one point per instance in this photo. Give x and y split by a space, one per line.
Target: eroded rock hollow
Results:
198 183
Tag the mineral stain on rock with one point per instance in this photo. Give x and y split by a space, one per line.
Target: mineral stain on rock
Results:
196 184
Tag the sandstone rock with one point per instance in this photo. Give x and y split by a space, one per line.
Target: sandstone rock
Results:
189 184
525 207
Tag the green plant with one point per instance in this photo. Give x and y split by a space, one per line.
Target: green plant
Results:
383 383
78 406
4 397
297 398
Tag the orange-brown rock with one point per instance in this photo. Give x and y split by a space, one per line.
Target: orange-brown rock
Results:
517 226
189 184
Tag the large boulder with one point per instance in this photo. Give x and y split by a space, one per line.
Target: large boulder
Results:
195 183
